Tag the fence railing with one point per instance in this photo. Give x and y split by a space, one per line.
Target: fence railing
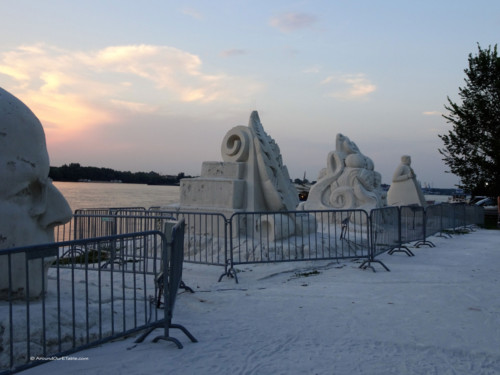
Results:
259 237
80 293
263 237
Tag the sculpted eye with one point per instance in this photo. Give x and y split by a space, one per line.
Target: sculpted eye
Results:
34 189
23 193
32 197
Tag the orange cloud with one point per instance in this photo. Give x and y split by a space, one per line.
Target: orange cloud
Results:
134 106
432 113
65 116
73 90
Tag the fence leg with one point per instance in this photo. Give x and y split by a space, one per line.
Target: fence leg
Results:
424 242
167 337
368 264
401 249
230 273
182 285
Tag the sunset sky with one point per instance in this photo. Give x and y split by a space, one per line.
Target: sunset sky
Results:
156 85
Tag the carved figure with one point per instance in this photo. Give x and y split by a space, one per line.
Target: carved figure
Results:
252 178
253 146
405 190
348 182
30 206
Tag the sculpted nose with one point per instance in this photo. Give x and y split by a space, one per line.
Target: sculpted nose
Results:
57 211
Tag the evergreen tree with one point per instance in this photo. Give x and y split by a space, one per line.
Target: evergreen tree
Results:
472 149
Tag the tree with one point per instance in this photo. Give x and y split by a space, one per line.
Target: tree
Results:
472 149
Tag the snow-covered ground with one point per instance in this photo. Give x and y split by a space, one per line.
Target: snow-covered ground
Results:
435 313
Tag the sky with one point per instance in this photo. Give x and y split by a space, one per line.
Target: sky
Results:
156 85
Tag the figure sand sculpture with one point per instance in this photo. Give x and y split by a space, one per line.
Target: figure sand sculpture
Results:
405 189
30 205
251 178
348 182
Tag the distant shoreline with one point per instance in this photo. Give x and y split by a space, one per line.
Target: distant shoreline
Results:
74 172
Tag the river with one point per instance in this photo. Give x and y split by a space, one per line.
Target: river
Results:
105 195
100 195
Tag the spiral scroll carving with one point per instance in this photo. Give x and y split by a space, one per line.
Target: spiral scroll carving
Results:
236 144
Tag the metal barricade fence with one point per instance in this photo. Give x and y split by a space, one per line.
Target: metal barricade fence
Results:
260 237
86 299
411 229
79 303
249 237
412 223
100 288
384 230
106 225
447 218
474 215
459 216
433 219
206 238
169 280
205 233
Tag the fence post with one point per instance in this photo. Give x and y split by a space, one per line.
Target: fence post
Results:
424 241
371 245
171 279
442 219
400 247
228 260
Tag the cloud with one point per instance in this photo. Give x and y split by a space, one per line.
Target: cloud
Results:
328 80
134 106
289 22
233 52
13 72
432 113
74 89
349 86
192 13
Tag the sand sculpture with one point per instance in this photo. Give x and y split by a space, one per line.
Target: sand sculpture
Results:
30 206
405 189
251 178
348 182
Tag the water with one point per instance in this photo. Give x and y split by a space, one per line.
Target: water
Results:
102 195
437 198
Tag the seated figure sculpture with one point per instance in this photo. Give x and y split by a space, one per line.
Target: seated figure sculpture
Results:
405 190
348 182
30 206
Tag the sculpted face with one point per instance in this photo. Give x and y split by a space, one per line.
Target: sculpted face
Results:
30 205
406 159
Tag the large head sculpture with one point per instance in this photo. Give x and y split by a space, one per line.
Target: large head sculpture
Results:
30 205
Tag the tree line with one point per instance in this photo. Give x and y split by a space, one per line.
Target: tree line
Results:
74 172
